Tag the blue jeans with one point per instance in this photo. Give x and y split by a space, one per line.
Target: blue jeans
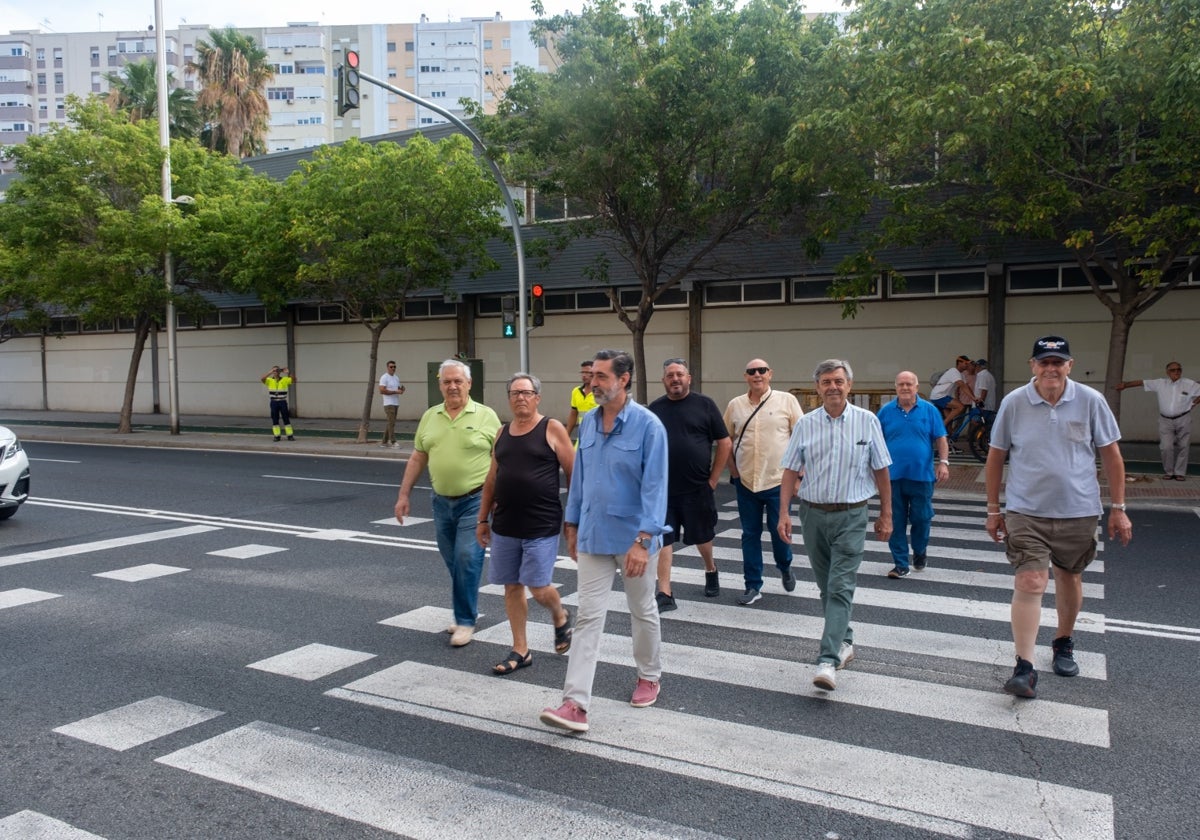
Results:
455 520
750 512
912 504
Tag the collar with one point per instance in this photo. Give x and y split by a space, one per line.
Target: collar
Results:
1035 398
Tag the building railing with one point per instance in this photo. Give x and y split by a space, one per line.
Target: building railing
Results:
869 398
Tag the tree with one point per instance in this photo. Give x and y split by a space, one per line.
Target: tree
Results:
85 228
134 90
233 71
1069 120
366 225
671 127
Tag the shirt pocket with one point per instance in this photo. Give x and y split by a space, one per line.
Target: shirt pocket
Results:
1078 431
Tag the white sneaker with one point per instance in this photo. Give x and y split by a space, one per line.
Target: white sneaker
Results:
462 635
847 655
826 677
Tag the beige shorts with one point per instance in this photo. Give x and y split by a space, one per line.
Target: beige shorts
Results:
1035 542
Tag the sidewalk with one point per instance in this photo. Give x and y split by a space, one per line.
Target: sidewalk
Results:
336 437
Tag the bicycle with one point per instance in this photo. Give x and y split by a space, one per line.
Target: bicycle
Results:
976 426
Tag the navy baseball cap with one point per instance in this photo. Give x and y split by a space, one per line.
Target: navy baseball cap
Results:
1051 346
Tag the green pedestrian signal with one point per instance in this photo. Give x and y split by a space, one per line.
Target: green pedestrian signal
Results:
508 316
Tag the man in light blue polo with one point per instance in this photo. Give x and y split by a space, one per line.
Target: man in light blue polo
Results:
839 459
614 521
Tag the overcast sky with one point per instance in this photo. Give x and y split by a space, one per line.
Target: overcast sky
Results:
112 15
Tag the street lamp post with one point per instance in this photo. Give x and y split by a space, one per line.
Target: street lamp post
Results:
164 140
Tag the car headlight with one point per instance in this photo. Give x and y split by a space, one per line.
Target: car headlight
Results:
11 450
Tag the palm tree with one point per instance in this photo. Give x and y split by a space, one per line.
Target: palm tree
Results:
134 89
233 72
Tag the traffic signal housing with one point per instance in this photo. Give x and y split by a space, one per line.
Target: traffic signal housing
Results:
508 316
347 83
537 305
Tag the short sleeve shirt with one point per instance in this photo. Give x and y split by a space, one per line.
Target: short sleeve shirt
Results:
1174 398
910 436
693 424
837 456
459 448
757 452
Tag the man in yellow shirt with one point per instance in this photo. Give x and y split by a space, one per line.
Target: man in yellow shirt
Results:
278 379
582 399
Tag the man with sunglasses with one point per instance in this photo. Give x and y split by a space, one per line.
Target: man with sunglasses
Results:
760 423
391 389
1051 430
1177 395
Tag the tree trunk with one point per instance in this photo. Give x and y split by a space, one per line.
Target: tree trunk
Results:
638 328
141 330
1118 344
364 423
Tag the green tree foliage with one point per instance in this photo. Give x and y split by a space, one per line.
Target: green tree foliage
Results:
85 229
670 126
233 72
1066 120
134 90
366 225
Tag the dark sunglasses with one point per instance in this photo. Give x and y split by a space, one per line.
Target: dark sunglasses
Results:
752 371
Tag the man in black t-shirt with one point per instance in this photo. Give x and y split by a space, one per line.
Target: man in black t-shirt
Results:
693 423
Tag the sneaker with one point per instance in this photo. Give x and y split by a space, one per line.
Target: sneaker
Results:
645 693
1023 682
826 676
291 437
276 438
897 572
1064 657
918 563
712 584
749 597
665 602
462 635
846 654
385 445
789 579
568 716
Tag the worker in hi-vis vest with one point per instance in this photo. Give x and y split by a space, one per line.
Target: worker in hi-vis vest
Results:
278 380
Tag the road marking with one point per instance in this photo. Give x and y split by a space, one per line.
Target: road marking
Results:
424 619
247 552
408 521
100 545
1162 631
128 726
54 461
30 825
334 481
147 571
405 796
21 597
311 662
850 778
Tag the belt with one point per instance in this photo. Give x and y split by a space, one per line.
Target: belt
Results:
834 506
468 493
1177 416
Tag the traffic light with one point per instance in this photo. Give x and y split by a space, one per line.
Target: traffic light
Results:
508 316
537 308
347 83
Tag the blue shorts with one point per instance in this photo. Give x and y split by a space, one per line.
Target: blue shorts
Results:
942 402
527 562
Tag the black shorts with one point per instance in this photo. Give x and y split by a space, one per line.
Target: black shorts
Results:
693 517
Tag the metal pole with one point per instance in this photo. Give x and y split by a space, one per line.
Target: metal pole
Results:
510 208
164 140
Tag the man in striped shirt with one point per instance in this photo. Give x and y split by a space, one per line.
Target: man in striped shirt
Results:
838 458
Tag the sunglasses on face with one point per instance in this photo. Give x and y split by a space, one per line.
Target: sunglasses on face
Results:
759 370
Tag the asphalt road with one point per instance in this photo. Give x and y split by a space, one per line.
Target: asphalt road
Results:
241 645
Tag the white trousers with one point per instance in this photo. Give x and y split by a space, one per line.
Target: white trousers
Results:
1174 439
596 572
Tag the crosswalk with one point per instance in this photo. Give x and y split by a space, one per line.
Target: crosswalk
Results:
932 651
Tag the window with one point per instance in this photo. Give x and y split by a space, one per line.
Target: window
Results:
911 284
670 299
749 291
408 46
326 313
258 316
281 94
391 72
506 43
437 94
816 289
391 46
1051 278
429 308
487 43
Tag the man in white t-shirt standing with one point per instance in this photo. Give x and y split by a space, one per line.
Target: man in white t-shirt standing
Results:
390 387
1176 397
986 395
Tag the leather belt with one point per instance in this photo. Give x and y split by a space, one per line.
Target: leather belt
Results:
834 506
464 495
1177 416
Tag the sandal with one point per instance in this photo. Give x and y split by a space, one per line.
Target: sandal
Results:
512 662
562 635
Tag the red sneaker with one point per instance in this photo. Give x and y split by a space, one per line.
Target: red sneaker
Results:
568 716
645 694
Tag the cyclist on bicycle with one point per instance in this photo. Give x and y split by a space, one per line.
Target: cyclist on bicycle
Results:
952 394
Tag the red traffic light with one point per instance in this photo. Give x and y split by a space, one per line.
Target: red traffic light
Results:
537 290
352 59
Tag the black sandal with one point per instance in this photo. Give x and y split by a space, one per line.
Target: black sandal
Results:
562 635
512 662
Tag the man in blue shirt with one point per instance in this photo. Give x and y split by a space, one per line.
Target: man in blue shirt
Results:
615 510
910 425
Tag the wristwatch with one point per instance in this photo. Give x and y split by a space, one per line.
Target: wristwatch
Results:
644 542
943 461
1118 507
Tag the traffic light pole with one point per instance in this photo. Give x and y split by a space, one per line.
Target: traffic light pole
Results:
514 220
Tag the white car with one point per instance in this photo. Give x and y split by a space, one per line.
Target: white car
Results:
14 473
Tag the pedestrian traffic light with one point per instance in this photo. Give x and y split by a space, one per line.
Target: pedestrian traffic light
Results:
347 83
508 316
537 308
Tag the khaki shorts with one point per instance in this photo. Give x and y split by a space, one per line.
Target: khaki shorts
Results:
1035 542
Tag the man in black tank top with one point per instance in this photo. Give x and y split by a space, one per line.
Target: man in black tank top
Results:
520 516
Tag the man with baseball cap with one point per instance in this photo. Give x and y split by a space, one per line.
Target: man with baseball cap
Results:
1051 431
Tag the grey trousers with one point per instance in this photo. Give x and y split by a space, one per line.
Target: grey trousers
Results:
1174 437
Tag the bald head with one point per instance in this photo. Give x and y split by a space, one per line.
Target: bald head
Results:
906 388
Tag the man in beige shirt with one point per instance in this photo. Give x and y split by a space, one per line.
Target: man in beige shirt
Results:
760 423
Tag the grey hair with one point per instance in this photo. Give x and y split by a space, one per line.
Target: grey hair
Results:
677 361
537 383
830 365
622 363
458 363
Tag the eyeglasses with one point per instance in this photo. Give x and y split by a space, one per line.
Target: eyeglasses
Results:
759 370
521 392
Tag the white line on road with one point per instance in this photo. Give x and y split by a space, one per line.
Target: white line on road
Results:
137 723
393 484
100 545
30 825
21 597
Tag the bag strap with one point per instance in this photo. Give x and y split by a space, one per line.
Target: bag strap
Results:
746 425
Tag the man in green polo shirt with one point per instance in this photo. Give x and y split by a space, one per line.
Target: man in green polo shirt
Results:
454 440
